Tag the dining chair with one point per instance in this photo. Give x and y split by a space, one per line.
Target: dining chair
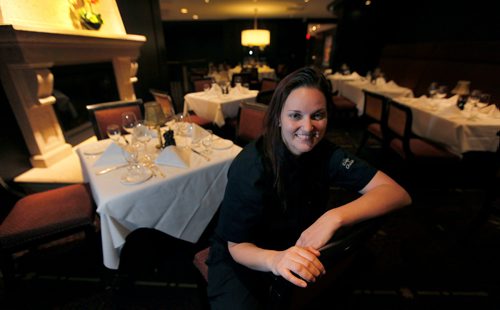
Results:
51 218
268 84
374 118
244 78
165 101
250 122
103 114
343 108
264 96
337 256
168 107
199 84
404 142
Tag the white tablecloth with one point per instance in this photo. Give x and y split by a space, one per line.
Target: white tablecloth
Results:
353 90
336 80
217 107
180 204
264 72
441 121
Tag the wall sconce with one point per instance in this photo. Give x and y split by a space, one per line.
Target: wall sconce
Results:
255 37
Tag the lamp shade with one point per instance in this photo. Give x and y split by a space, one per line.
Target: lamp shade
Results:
255 37
153 114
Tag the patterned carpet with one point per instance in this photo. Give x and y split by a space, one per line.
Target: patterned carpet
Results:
427 256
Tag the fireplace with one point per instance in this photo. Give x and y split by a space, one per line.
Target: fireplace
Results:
29 51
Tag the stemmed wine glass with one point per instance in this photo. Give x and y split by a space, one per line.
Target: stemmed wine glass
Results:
433 89
442 92
207 143
129 120
114 132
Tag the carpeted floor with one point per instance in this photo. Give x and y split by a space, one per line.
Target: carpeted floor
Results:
431 255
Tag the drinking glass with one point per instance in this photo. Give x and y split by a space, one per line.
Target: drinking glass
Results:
114 132
441 92
432 90
207 143
474 97
129 121
484 99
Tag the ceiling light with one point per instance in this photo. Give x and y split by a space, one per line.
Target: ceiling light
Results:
195 16
184 11
255 37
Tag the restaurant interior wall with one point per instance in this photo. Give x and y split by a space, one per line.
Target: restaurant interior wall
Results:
363 31
220 41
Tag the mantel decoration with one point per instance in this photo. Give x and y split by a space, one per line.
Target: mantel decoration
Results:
88 18
255 37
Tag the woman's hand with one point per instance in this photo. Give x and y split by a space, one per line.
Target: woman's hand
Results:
298 265
321 231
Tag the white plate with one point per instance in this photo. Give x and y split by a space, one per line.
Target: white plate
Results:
137 179
222 144
95 149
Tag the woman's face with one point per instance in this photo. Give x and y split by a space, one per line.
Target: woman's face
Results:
303 120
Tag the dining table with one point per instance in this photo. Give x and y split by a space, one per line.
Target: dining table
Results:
264 71
179 195
216 106
353 90
337 79
460 131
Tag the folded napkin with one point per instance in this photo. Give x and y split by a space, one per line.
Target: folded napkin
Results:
113 155
355 75
174 156
391 84
327 72
238 90
199 133
380 81
490 111
215 89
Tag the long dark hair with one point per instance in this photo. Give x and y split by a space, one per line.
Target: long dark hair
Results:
274 147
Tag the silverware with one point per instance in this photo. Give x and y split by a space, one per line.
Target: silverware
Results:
201 154
104 171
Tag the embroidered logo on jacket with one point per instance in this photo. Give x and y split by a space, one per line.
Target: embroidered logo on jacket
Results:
347 162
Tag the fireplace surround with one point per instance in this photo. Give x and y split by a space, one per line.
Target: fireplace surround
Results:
29 50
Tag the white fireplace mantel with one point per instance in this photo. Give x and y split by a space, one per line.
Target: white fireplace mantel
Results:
26 56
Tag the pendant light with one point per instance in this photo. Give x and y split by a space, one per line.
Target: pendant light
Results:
255 37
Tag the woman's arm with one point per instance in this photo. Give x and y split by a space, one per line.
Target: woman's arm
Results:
298 265
380 196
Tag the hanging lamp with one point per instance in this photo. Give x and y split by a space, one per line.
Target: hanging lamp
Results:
255 37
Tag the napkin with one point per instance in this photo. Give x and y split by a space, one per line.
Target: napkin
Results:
355 75
215 89
380 81
490 110
113 155
174 156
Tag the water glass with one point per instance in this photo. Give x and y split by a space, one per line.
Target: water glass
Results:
129 121
114 132
207 143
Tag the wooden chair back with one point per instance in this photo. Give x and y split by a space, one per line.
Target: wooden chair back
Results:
104 114
250 121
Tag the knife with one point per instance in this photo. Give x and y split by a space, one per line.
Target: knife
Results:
104 171
201 154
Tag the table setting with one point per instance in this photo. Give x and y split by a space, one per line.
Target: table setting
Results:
217 105
175 189
439 119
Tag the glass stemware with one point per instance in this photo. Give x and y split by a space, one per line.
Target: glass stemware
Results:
207 143
432 90
441 92
129 121
114 132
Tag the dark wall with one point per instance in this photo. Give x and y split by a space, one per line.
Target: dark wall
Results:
363 31
144 18
220 41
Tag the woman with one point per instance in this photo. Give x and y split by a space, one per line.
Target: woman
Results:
274 216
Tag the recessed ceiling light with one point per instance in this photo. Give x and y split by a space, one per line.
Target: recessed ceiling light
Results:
184 11
207 1
306 1
195 16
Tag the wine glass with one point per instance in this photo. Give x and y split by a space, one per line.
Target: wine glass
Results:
484 99
129 121
432 90
474 97
207 143
441 92
114 132
142 134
